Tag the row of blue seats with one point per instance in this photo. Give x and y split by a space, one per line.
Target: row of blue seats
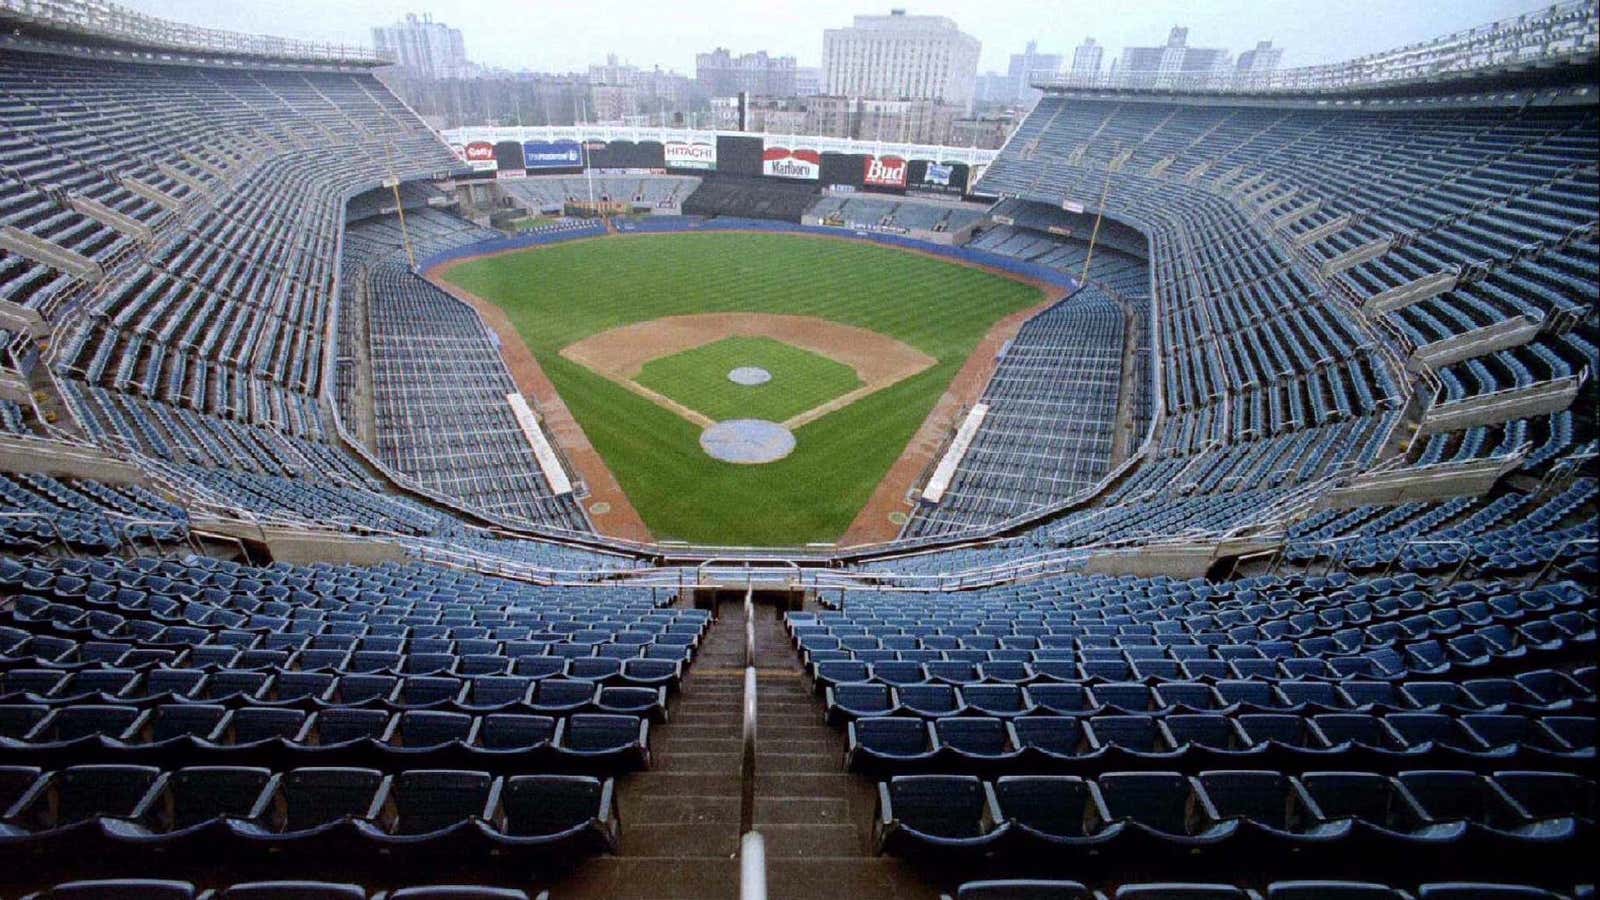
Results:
162 889
323 690
1482 652
1257 815
851 700
322 589
1031 743
1036 622
629 662
107 607
588 742
1299 889
1059 607
332 812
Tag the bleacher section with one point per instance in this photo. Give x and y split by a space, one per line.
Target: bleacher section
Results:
1110 729
865 211
318 719
551 194
1437 224
439 386
1052 411
749 197
197 341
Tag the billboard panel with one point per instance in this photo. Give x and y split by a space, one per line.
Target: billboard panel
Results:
929 176
480 156
683 155
884 171
738 155
508 156
782 162
552 155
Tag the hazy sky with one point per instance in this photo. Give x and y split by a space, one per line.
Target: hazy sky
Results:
567 35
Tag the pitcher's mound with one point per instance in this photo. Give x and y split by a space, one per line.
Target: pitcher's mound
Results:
747 441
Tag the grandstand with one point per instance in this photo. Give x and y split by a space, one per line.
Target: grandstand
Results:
1259 564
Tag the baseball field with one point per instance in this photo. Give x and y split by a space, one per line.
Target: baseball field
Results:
639 335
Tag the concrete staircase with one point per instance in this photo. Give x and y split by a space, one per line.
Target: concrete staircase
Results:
816 818
680 819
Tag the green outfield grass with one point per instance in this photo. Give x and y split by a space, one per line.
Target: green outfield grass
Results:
559 294
698 379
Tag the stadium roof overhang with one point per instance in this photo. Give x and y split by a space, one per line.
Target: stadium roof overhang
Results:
1564 81
111 31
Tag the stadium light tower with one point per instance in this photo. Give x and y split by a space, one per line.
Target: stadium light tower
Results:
393 183
1099 213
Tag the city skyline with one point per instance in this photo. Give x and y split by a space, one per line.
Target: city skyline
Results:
1311 33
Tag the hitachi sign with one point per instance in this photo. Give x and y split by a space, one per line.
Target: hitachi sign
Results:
886 171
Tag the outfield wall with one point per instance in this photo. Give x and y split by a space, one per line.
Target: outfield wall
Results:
670 224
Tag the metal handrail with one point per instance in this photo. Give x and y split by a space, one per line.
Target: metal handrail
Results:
747 758
55 527
126 536
749 628
752 867
1593 542
1466 555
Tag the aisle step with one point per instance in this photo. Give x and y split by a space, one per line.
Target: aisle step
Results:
801 810
655 878
859 878
804 841
722 783
673 839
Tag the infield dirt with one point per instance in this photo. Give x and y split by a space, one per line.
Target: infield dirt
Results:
619 354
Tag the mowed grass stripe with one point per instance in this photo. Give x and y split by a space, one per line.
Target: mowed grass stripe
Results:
560 294
698 379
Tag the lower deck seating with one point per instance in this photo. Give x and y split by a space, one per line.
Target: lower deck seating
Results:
438 386
160 712
1052 415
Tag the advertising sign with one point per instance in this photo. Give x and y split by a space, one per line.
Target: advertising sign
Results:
480 156
552 154
884 171
682 155
782 162
938 174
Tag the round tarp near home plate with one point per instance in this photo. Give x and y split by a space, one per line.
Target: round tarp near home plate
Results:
747 441
750 376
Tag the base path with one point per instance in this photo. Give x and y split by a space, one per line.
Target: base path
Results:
874 525
621 353
610 510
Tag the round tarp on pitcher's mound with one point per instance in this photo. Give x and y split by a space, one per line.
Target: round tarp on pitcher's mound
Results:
747 441
750 376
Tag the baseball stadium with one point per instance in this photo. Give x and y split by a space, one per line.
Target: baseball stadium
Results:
1194 497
